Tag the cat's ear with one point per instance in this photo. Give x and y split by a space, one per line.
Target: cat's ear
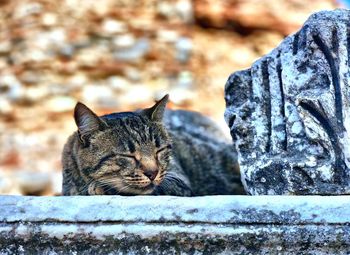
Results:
87 121
156 112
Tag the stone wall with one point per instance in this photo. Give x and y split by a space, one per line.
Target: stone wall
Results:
173 225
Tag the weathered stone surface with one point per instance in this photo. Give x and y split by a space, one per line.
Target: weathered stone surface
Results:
174 225
289 114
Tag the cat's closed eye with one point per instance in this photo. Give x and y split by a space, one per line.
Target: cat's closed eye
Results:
165 148
126 161
163 153
128 156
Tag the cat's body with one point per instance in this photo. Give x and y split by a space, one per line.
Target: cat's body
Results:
142 153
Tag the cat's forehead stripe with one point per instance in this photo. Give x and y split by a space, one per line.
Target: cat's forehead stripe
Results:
140 126
157 141
126 129
131 146
136 129
143 120
150 131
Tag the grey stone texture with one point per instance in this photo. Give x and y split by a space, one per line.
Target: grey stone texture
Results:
175 225
289 114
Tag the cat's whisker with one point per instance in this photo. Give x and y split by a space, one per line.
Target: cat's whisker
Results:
162 174
109 188
104 184
112 182
137 180
133 176
123 188
108 185
85 188
132 179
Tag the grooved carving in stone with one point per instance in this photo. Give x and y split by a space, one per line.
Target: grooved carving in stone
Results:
289 114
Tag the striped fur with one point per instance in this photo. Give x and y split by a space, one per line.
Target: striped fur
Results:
144 153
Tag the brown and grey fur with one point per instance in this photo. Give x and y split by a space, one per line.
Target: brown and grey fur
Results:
149 152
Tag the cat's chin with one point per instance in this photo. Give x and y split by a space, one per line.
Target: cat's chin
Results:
146 190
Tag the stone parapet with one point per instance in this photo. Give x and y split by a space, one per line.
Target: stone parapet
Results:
174 225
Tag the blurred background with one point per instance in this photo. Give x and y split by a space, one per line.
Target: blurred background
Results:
119 55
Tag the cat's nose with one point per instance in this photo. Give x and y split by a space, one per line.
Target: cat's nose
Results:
151 174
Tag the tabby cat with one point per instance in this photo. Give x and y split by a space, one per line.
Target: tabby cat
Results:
148 152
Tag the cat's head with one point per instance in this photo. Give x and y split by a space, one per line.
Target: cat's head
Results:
123 153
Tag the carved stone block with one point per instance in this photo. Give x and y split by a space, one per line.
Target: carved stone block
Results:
161 225
289 114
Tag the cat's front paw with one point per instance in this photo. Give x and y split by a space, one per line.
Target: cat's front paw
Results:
173 187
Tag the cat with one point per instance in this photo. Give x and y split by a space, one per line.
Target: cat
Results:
153 151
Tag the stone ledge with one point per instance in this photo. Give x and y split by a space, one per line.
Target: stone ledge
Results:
167 225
